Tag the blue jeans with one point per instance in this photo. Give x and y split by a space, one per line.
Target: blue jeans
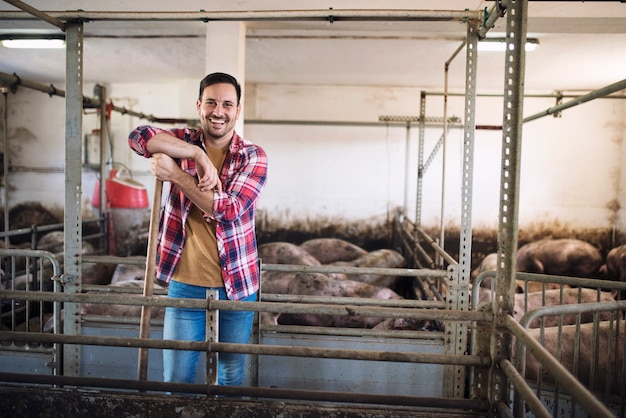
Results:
181 366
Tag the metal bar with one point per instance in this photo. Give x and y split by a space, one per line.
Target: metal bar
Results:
620 85
38 14
513 87
448 258
382 121
323 15
585 398
527 393
139 260
239 391
72 242
354 270
12 252
420 162
562 280
579 308
491 17
316 309
127 320
272 350
396 303
352 332
407 165
13 80
574 281
5 165
448 315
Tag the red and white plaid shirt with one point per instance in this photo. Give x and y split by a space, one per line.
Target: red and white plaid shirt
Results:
243 176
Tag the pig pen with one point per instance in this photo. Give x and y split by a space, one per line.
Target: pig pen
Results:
334 362
362 372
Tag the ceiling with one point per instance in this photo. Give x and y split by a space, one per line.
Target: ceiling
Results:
582 45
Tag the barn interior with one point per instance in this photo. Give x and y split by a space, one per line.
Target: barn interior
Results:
532 148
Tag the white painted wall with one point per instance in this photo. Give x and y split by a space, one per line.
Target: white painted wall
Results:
572 169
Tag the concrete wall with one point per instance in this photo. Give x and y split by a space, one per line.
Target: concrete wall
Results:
572 169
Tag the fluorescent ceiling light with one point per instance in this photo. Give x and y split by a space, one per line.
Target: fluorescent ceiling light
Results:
499 45
33 43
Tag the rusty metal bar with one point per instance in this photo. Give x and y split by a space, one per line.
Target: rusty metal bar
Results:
135 260
436 247
396 303
323 15
585 398
316 309
563 280
571 309
527 393
235 391
276 350
13 80
37 13
355 270
127 320
447 315
352 332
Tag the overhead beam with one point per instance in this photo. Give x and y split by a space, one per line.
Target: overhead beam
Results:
37 13
596 94
330 15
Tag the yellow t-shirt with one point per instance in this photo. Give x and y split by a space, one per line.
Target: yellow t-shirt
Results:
200 263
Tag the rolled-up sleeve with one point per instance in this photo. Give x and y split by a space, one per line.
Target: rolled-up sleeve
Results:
246 177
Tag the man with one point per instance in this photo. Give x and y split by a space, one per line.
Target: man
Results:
207 237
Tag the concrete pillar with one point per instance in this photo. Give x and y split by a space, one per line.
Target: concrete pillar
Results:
226 52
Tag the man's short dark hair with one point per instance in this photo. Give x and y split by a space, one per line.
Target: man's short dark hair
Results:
215 78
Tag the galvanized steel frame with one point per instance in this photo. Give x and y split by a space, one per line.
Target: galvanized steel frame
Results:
73 191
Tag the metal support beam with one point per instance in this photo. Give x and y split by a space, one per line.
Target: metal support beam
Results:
605 91
37 13
324 15
73 190
509 186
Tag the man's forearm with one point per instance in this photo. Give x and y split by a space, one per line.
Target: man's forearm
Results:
172 146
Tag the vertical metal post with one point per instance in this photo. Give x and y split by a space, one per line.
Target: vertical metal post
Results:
420 161
73 190
458 289
509 183
407 164
212 328
5 162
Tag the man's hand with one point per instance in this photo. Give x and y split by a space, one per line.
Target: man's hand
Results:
164 167
208 177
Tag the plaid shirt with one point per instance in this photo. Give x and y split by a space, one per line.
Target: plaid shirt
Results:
243 176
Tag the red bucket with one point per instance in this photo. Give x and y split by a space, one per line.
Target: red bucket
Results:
121 192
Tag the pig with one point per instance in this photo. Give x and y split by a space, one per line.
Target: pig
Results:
610 358
615 267
529 301
123 310
316 284
128 272
330 250
559 257
286 253
384 258
489 263
92 273
616 263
